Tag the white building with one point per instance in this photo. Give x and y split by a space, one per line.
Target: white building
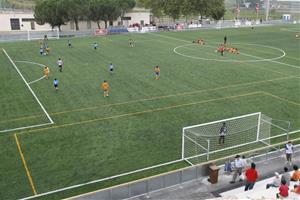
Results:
15 20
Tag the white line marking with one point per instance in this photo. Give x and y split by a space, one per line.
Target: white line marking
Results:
24 61
25 127
259 59
290 29
100 180
51 121
34 63
109 178
236 61
37 80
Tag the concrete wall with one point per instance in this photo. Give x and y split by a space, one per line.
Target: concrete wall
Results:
25 20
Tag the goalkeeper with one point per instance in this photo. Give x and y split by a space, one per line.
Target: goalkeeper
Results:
223 133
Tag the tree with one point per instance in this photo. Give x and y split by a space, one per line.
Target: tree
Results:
216 9
76 10
201 7
125 6
50 11
187 9
110 11
173 8
95 11
156 6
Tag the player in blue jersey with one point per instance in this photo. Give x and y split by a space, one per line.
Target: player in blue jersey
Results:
55 83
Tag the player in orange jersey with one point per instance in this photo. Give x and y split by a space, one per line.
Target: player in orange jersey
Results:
46 72
105 87
157 72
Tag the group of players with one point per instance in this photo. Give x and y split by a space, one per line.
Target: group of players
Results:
105 85
221 48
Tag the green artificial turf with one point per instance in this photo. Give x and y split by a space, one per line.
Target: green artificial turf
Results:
140 123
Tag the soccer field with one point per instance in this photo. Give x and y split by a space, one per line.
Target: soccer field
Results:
140 124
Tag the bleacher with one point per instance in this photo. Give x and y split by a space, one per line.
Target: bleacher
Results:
259 191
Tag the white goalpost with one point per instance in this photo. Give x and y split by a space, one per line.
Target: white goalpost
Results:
203 142
42 34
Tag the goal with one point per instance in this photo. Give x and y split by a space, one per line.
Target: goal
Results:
42 34
201 142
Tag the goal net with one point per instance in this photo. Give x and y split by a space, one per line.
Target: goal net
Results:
44 34
227 137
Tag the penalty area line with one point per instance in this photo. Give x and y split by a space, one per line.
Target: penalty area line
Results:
25 127
32 92
37 80
103 179
34 63
25 165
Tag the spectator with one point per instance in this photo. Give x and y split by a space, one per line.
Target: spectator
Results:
296 174
251 177
238 166
289 148
246 162
276 181
228 166
283 190
296 189
286 176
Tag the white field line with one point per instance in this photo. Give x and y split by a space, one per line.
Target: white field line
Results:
25 127
259 59
274 61
100 180
295 30
222 120
294 66
120 175
37 80
50 119
29 62
112 177
34 63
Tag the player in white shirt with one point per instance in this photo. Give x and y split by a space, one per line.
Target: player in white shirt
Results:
60 64
238 167
111 68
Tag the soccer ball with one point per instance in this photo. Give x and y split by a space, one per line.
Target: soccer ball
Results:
297 35
216 51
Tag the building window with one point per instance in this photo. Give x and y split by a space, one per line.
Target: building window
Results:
111 23
126 18
27 20
89 24
142 23
15 24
